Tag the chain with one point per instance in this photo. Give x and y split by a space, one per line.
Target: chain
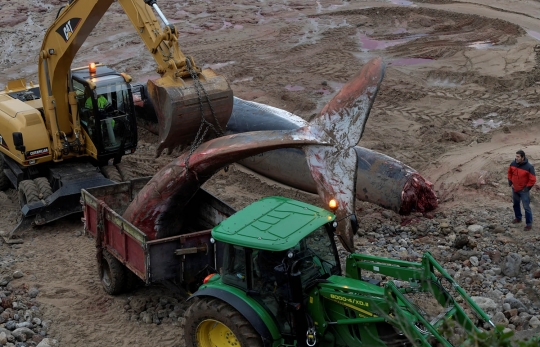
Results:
204 123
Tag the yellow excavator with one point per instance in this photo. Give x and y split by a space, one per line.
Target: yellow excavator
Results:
71 131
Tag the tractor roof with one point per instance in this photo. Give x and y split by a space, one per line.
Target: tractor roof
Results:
273 223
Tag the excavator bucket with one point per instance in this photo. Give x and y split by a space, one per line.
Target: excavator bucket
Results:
180 110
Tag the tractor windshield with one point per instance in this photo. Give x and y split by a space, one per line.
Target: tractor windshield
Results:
317 256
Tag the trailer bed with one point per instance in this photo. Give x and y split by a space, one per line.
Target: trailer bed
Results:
183 258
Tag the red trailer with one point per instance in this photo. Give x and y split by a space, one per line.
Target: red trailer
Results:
124 251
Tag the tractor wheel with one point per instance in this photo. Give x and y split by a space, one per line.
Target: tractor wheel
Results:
4 180
44 187
111 172
124 172
112 274
28 192
212 322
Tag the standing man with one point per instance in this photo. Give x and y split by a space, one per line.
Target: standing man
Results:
521 178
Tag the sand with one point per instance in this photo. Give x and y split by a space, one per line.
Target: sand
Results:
460 96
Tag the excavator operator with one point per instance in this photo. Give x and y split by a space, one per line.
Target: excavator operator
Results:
102 101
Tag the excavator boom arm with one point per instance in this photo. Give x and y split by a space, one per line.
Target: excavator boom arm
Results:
70 30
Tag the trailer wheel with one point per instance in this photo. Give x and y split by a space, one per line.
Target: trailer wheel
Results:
212 322
28 192
111 172
4 180
124 172
44 187
112 274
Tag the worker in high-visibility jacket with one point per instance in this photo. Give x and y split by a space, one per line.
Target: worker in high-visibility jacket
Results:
102 102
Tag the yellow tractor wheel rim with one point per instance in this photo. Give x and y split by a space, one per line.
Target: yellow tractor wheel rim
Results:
212 333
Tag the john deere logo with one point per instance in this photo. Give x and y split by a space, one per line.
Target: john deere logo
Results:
3 143
67 29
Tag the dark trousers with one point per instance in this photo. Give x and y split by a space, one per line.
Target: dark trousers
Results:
522 197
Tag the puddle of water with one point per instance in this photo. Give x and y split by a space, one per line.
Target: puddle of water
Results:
487 126
329 8
480 44
534 34
523 103
218 65
403 3
226 25
446 83
332 88
260 17
410 61
292 88
369 44
245 79
313 30
322 91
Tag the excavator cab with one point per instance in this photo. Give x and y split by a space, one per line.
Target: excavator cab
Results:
105 105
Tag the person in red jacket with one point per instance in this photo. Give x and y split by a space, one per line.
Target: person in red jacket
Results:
521 178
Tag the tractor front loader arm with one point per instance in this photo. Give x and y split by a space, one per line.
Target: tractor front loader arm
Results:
427 278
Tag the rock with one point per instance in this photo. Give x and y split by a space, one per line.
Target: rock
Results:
48 343
475 228
5 280
23 325
476 179
37 338
511 265
534 322
33 292
10 325
22 334
474 261
3 338
18 274
138 305
488 305
386 214
494 295
494 255
454 136
514 303
146 317
461 241
513 312
499 318
499 230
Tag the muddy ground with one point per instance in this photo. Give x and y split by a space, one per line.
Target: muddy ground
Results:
460 96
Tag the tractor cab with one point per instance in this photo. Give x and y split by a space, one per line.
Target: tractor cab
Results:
106 110
275 250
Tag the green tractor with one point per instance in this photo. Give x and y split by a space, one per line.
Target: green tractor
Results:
280 283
